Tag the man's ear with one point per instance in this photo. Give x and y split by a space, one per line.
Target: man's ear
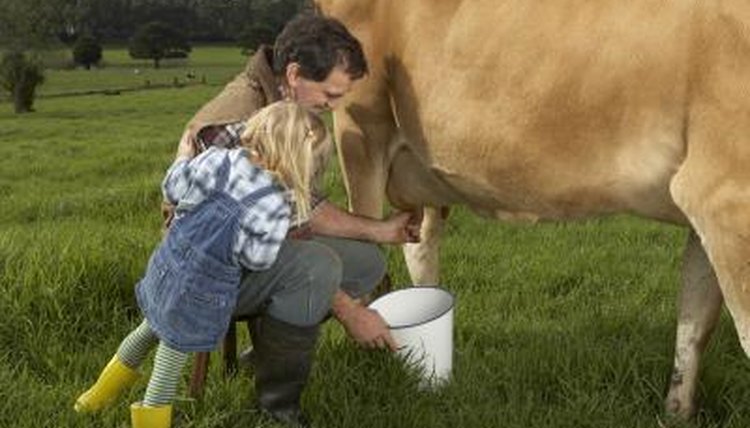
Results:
292 74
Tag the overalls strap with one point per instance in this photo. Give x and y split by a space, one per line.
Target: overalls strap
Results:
222 175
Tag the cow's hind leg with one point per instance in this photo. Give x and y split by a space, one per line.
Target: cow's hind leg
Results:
712 186
700 306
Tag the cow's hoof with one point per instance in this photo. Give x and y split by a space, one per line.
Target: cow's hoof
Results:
679 409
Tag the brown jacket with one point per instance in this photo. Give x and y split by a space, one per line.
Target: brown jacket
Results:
251 90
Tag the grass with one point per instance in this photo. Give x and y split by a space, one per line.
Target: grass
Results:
557 325
213 65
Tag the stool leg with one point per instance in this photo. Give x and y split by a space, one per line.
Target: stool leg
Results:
200 369
230 350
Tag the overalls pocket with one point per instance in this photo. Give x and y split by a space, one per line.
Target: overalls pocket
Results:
202 309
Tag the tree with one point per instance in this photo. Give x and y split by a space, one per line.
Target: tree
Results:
26 26
157 40
268 19
256 35
87 51
20 76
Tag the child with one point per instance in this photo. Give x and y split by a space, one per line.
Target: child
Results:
233 211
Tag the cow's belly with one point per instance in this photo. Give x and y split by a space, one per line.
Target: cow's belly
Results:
576 115
515 184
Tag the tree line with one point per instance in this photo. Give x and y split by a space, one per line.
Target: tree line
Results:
118 20
153 29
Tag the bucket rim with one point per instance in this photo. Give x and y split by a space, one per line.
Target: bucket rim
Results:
433 318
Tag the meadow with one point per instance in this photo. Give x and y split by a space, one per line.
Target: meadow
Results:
557 325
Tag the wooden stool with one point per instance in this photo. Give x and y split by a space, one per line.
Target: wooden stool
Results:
229 352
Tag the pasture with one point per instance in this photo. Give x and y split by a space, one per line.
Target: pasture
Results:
557 325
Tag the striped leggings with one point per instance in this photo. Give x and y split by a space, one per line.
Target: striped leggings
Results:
162 386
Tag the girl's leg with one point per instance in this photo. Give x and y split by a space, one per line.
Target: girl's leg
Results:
162 387
156 409
121 371
136 346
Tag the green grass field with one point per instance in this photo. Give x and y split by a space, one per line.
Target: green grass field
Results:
118 71
557 325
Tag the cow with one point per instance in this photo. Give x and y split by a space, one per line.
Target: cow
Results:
540 110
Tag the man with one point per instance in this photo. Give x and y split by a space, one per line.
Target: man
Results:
328 264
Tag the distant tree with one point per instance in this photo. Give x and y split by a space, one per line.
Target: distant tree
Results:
268 19
108 19
156 41
26 27
20 76
87 51
258 34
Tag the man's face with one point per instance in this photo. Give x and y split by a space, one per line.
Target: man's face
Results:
318 96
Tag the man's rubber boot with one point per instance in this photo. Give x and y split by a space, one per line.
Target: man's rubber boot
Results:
283 359
150 417
115 378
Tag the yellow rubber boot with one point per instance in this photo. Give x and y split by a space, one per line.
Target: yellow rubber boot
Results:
115 377
150 417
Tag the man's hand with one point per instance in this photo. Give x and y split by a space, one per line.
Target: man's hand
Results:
368 329
400 228
364 325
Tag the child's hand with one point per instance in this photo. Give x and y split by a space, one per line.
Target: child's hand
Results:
186 148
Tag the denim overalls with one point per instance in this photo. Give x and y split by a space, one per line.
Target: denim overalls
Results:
191 284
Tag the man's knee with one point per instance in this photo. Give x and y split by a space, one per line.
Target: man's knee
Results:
366 271
308 299
324 273
363 264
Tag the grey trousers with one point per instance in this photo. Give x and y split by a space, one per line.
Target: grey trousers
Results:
299 287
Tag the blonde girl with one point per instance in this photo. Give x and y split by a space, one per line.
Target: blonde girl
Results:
234 207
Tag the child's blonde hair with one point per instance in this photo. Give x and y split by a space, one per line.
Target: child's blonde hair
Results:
289 141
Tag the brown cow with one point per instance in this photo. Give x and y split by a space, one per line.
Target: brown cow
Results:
558 110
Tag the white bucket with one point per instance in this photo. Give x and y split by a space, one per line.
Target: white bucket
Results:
421 322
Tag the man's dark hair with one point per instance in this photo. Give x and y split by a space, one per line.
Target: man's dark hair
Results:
318 44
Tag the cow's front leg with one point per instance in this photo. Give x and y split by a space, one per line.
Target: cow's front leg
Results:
422 258
700 306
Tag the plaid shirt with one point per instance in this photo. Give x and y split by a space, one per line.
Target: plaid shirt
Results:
229 135
262 227
221 135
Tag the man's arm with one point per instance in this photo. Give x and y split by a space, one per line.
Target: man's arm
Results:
364 325
330 220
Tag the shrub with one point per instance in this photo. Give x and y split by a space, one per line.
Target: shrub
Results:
157 40
20 76
87 51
